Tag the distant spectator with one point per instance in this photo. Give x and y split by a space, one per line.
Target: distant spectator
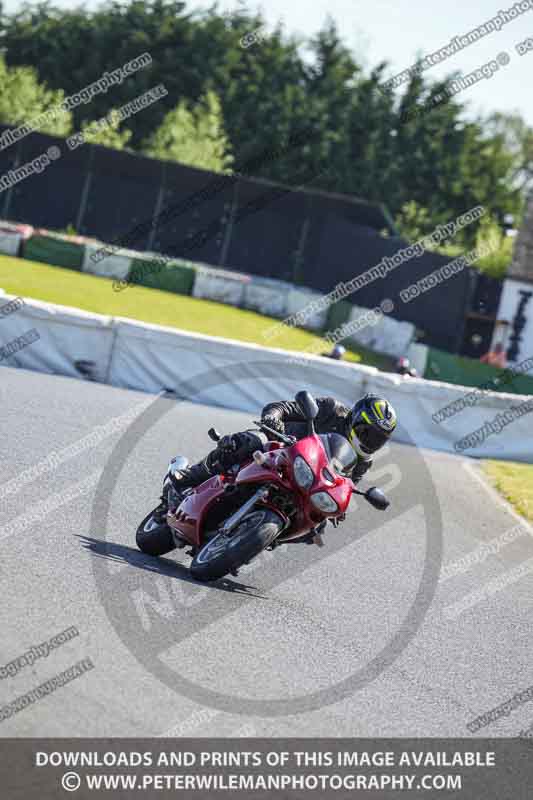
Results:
336 353
403 367
495 357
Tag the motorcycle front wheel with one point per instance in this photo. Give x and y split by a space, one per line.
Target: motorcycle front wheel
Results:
225 553
154 538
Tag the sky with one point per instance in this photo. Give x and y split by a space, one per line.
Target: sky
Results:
399 30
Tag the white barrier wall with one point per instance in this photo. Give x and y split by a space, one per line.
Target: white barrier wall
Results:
219 285
418 356
388 335
10 240
116 265
217 371
300 299
267 296
416 400
226 373
67 335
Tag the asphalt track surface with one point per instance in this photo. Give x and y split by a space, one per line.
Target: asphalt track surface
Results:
298 624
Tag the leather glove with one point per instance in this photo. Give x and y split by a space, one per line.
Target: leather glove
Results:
227 444
226 450
236 448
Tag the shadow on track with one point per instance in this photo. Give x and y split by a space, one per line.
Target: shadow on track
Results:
121 553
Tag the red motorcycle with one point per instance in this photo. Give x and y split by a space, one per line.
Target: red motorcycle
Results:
285 493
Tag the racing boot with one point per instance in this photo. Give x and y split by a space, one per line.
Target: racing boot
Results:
173 488
191 476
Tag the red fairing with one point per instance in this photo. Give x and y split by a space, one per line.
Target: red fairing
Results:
276 469
272 471
337 486
342 494
313 452
191 512
311 449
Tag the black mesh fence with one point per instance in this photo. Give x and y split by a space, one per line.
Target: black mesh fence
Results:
298 235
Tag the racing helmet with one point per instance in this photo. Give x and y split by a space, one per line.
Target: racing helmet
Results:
338 351
370 423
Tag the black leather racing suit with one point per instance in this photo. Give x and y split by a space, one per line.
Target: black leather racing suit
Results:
285 417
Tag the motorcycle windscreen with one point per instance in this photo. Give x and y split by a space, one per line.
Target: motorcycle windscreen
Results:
339 451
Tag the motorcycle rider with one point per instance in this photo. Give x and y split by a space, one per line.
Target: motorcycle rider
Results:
336 353
367 426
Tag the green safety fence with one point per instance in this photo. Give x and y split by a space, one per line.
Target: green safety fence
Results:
52 248
171 276
441 366
338 314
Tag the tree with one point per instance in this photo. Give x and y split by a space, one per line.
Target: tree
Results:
72 48
195 137
106 132
518 138
360 138
263 94
499 247
414 222
24 100
448 165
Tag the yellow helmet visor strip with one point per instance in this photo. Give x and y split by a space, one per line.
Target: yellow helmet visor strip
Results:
379 411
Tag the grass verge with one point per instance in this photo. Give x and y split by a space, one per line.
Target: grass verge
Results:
92 293
514 482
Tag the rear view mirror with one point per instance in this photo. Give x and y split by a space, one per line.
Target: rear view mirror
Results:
213 434
377 499
308 404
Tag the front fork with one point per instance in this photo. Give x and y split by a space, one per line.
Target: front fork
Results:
259 497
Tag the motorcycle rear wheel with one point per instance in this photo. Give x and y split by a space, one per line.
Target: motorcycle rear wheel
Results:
225 553
154 538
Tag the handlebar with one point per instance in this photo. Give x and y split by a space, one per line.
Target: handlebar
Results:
281 436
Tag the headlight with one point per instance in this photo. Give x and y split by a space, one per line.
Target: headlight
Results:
303 474
324 502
